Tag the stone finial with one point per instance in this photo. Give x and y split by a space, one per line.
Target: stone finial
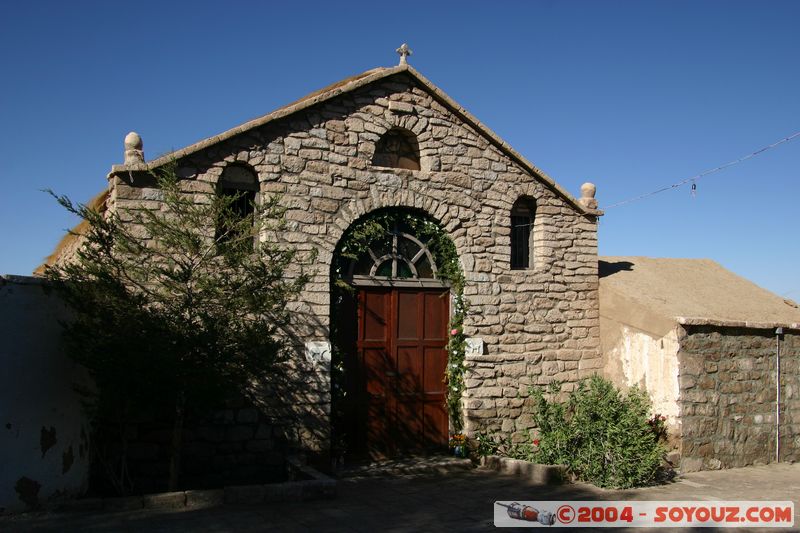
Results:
588 191
404 52
133 149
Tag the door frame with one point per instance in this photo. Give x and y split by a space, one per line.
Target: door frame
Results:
359 423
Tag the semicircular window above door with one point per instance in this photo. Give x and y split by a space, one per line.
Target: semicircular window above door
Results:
396 246
395 255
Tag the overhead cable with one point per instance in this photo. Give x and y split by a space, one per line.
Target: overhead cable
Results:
693 179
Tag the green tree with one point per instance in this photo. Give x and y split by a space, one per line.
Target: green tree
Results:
175 309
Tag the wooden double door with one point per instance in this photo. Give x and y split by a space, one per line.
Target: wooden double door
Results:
401 358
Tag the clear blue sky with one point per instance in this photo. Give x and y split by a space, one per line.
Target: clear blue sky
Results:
630 95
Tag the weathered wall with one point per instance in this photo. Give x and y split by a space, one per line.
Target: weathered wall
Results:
727 380
650 364
43 437
538 325
639 348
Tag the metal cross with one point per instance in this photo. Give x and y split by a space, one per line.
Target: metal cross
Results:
404 52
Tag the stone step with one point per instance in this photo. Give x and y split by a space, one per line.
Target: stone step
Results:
405 466
536 473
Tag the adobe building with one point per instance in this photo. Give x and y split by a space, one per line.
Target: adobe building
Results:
705 344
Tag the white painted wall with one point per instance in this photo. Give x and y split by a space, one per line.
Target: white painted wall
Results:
641 348
43 433
652 364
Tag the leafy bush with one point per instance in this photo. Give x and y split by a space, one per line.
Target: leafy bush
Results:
485 445
603 436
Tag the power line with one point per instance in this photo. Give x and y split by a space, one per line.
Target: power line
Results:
705 173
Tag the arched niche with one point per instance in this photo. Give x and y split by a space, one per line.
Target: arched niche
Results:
397 148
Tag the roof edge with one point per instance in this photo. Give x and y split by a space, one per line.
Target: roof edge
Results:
260 121
500 143
22 280
695 321
373 75
618 307
98 203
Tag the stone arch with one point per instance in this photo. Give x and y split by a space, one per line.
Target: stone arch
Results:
388 304
238 175
411 123
366 209
358 208
418 126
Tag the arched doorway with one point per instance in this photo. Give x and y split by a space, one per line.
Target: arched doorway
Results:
390 314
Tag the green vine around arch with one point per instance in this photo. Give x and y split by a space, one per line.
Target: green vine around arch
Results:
355 242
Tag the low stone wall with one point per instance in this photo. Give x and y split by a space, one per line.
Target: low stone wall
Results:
535 473
727 397
305 484
234 446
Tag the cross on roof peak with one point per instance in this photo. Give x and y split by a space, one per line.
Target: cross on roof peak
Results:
404 52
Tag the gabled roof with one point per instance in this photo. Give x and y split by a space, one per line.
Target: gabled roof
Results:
349 85
690 292
331 91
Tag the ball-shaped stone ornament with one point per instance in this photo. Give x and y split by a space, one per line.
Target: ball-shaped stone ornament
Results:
133 141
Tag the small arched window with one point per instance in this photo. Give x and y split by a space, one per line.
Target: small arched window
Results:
398 148
523 214
239 185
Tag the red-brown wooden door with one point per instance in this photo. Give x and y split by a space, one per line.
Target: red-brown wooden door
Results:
402 356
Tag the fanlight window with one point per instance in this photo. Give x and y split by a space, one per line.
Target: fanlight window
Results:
396 255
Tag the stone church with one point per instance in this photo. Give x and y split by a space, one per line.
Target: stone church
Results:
476 275
390 141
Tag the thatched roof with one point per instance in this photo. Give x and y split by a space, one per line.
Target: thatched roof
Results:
72 238
691 292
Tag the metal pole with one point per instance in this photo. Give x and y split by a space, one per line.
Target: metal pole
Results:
777 398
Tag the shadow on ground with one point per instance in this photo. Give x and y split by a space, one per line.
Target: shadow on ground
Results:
461 501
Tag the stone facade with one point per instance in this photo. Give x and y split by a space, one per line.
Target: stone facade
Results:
537 325
727 396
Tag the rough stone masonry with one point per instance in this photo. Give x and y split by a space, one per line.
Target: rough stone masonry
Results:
537 325
727 397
